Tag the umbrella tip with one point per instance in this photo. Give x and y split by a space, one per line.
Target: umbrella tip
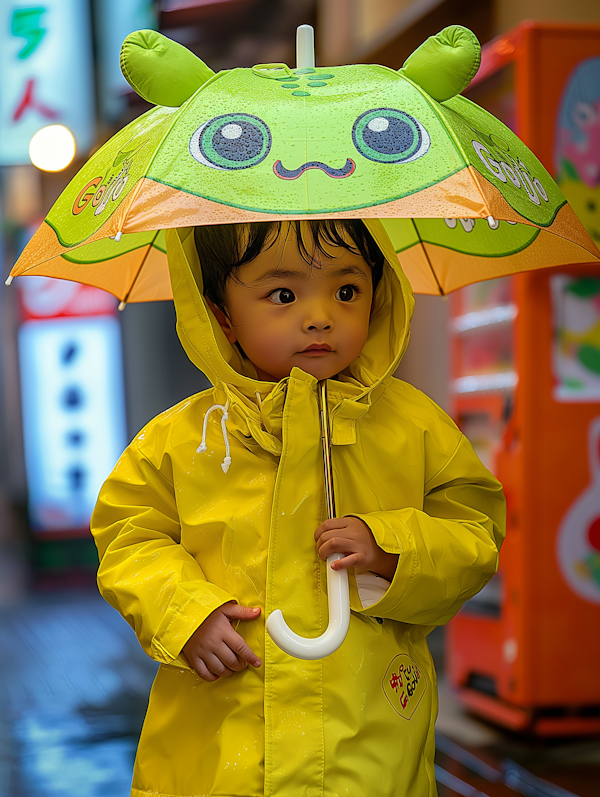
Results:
116 238
9 279
305 47
122 306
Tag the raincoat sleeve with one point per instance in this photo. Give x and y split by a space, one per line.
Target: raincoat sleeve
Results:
448 550
145 573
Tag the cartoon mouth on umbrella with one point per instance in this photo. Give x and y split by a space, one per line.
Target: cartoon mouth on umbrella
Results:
429 155
293 174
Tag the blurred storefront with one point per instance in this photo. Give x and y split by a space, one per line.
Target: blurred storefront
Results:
62 369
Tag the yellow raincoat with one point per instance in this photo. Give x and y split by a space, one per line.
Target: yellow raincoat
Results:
178 537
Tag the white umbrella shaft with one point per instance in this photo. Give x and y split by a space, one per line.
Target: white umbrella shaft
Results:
338 595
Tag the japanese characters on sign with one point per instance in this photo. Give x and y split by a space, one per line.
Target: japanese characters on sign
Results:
46 73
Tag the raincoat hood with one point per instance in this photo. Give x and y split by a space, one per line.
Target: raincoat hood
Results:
210 351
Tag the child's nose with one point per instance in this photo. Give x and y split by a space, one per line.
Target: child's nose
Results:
318 320
318 316
319 325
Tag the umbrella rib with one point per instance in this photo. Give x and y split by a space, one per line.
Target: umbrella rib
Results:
131 287
433 274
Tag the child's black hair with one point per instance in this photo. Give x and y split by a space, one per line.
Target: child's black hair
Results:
222 249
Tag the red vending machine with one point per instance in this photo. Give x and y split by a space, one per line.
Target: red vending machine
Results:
526 390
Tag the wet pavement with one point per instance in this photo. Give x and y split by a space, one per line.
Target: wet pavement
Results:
74 685
491 772
477 759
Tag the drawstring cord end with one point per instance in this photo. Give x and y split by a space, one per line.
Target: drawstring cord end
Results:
224 418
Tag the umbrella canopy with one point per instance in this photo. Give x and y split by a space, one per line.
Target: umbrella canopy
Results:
272 143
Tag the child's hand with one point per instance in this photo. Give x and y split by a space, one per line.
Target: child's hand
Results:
215 650
353 538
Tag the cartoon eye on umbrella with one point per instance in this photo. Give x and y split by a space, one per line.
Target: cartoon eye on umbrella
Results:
461 197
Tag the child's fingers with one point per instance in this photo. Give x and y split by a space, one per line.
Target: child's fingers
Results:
335 545
233 611
335 536
353 560
241 649
203 671
331 525
216 666
229 658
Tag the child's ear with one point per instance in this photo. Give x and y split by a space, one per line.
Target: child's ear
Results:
224 322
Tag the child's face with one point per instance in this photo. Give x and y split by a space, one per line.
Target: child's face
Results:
285 312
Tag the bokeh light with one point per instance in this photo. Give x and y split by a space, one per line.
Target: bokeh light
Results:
52 148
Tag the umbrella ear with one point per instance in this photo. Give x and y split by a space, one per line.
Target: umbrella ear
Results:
160 70
446 63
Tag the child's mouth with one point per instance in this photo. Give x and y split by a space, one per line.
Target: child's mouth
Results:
317 349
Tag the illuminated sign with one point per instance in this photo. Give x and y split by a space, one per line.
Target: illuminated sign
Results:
45 73
73 414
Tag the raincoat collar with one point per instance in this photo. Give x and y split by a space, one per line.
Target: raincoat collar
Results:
255 408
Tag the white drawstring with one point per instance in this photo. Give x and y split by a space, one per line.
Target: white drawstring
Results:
224 418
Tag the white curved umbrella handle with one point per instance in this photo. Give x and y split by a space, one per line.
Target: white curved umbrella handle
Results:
338 597
338 594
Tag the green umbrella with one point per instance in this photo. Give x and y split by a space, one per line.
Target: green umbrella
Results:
274 143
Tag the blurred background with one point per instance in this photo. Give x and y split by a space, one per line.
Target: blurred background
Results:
516 362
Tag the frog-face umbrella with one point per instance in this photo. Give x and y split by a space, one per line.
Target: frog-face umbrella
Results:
271 143
462 197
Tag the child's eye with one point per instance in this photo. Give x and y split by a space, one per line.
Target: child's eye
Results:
282 296
346 293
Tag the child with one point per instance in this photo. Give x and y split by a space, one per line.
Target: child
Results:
213 518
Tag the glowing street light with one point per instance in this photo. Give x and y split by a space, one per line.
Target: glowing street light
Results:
52 148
